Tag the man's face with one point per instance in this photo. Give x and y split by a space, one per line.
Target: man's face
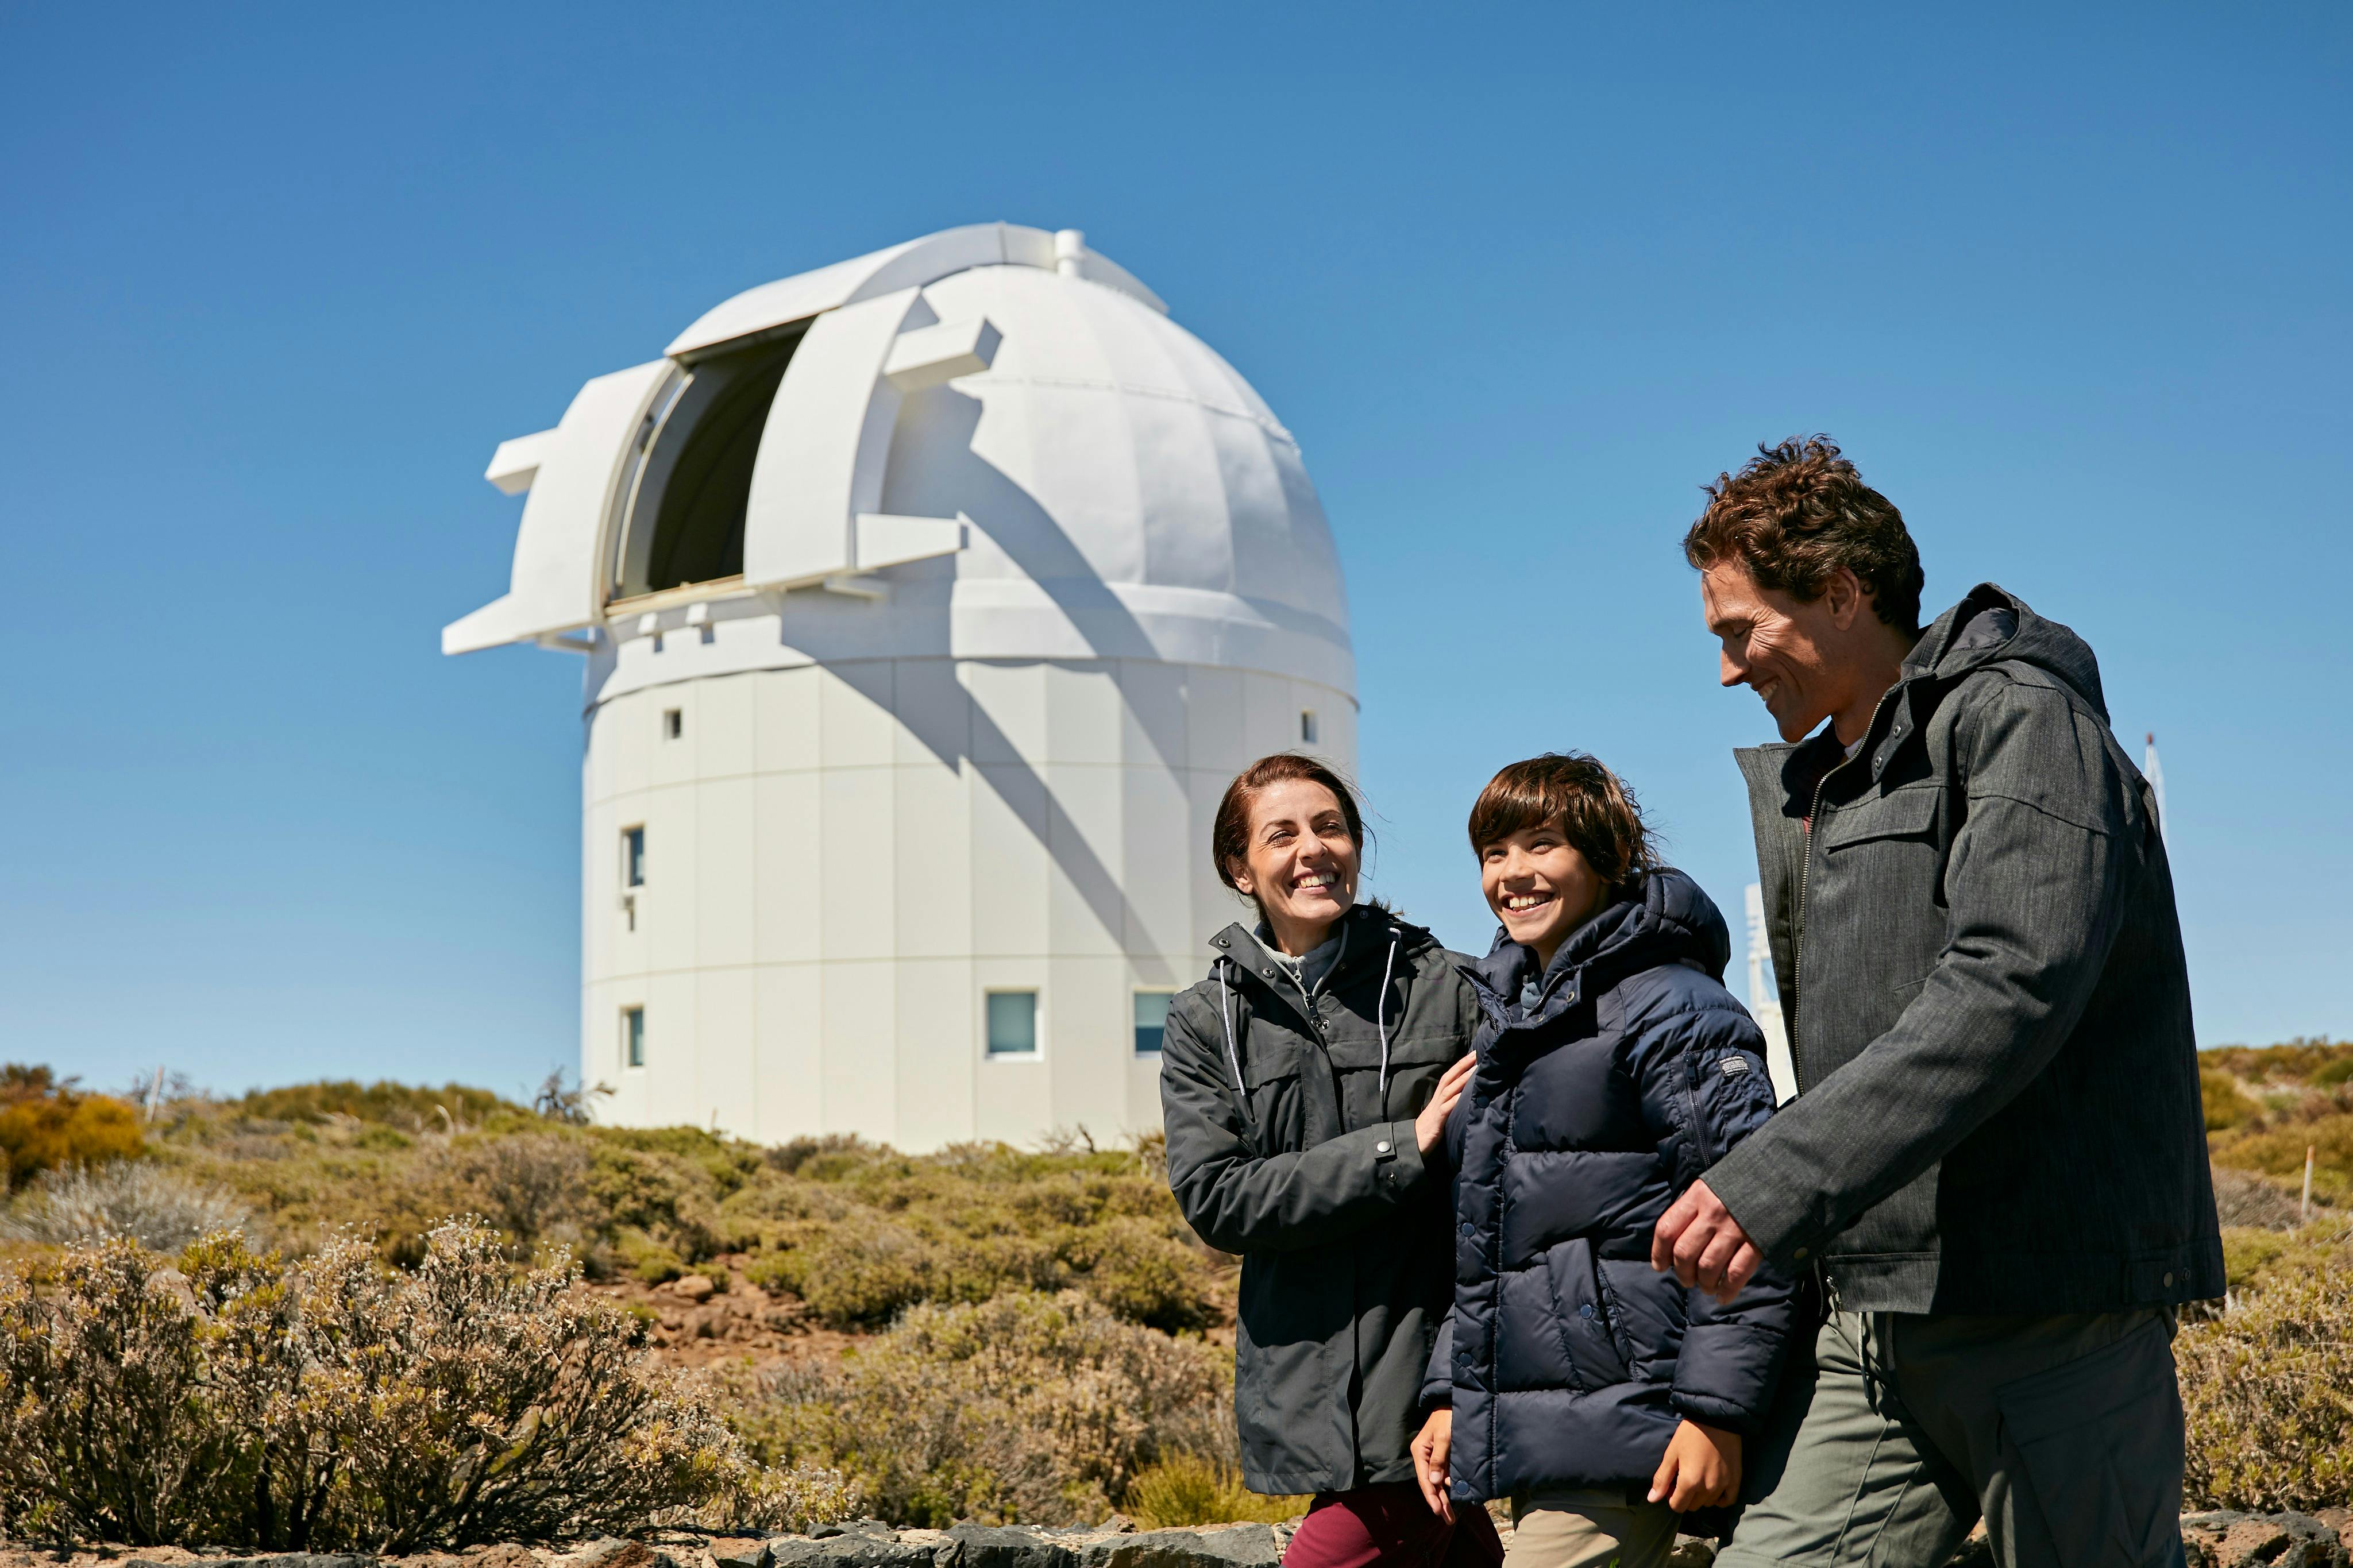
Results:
1787 652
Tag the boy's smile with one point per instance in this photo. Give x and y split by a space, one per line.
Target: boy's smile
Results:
1539 886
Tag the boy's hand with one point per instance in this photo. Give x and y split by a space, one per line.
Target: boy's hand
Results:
1702 1468
1430 1454
1429 1127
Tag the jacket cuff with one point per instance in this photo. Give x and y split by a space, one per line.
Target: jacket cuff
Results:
1397 1164
1768 1206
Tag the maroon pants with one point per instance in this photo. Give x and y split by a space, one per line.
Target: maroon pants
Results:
1390 1527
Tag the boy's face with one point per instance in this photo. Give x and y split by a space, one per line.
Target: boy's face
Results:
1539 886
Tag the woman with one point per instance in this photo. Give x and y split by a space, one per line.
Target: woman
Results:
1306 1085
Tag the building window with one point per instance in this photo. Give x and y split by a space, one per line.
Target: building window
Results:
1013 1023
1307 726
633 1036
633 856
673 723
1151 1020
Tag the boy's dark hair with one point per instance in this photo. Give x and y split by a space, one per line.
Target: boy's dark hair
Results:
1795 514
1598 815
1230 832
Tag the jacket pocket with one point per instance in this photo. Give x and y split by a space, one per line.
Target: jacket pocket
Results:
2099 1441
1588 1337
1909 813
1277 1105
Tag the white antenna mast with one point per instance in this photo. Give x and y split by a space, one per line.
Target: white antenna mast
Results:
2153 771
1765 1003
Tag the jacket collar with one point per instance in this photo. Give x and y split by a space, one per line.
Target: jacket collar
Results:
1370 930
1987 625
1666 919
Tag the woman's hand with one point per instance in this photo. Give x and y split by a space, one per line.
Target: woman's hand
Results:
1702 1468
1429 1452
1429 1127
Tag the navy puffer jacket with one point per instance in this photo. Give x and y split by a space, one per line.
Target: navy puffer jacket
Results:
1604 1086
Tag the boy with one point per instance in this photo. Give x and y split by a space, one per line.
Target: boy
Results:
1601 1396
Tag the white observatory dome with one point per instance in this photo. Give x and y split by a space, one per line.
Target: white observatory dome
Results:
930 600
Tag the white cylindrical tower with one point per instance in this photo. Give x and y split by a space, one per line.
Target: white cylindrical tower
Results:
929 600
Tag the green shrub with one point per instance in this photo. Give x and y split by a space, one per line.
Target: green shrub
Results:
326 1406
414 1108
2267 1389
647 1259
1137 1271
2278 1151
860 1232
1029 1407
1190 1488
2227 1105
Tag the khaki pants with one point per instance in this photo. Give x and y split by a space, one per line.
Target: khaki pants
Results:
1901 1430
1588 1530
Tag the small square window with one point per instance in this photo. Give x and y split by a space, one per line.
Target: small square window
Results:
633 1036
633 856
673 722
1151 1020
1013 1023
1307 726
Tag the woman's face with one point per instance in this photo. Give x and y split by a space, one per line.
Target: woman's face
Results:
1301 865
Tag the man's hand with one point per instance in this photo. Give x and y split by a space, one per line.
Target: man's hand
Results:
1429 1127
1698 1239
1702 1468
1429 1453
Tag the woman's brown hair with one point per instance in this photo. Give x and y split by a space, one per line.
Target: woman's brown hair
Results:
1598 815
1230 834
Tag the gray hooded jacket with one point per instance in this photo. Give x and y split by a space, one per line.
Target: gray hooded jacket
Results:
1973 925
1291 1141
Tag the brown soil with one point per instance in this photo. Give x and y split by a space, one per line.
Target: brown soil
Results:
733 1320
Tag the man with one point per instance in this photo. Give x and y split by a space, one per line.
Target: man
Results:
1996 1165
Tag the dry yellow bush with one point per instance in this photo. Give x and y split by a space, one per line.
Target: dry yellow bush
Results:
1192 1489
1029 1407
48 1125
2267 1388
331 1405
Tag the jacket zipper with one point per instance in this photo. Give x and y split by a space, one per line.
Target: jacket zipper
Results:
1813 826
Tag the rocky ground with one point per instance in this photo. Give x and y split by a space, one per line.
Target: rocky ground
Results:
2208 1541
717 1315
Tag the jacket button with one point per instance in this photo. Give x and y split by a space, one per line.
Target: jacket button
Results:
2168 1277
1799 1253
1468 1228
1383 1147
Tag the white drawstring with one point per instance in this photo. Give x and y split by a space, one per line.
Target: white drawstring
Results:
1380 1013
1226 1011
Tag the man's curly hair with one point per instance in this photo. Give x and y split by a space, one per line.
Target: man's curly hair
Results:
1795 514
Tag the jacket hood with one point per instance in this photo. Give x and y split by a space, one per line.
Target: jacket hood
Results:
1672 921
1991 624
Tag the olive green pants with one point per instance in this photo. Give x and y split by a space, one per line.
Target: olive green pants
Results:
1589 1530
1901 1431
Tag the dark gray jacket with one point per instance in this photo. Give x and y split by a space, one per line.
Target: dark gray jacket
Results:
1982 969
1309 1168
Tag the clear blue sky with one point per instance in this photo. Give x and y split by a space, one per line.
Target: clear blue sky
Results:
2070 285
